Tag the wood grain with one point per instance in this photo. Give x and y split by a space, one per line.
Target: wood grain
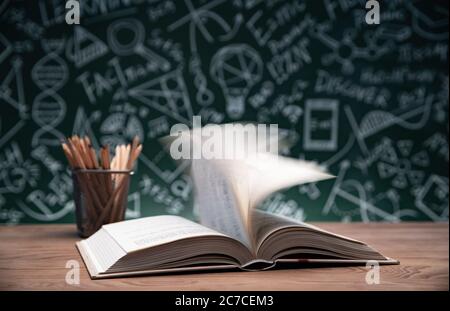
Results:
33 257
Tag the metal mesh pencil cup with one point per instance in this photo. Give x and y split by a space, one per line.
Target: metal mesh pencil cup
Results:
100 196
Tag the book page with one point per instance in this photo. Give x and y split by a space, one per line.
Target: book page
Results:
269 173
218 199
137 234
264 224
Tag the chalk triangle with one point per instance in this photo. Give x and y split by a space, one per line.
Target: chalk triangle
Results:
11 88
167 94
86 47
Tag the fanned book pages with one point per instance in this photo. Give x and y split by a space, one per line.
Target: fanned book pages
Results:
232 233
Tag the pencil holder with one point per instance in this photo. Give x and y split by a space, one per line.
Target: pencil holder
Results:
100 197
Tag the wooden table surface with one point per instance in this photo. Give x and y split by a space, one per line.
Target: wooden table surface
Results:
33 257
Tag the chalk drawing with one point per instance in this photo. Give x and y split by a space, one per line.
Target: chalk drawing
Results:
432 198
167 94
36 208
236 68
398 163
429 21
50 74
158 127
12 88
167 174
320 131
136 44
378 120
48 111
15 171
84 47
198 17
345 51
120 128
355 196
82 125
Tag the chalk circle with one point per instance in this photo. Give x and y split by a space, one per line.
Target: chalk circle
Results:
126 47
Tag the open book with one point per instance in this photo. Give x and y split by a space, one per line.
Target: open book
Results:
231 234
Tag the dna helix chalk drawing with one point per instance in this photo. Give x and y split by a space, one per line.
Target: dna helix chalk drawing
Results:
50 74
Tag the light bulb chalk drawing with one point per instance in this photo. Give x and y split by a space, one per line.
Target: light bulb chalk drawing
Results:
236 68
136 44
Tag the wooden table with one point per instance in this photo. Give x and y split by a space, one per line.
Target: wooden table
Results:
33 257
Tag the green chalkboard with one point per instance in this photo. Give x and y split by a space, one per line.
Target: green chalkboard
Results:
370 102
